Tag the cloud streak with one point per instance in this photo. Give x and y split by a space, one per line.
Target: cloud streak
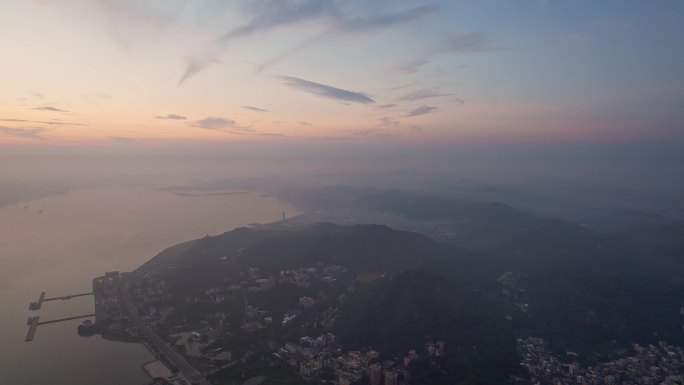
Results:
422 110
42 122
230 126
49 108
465 43
215 123
386 106
257 109
387 121
292 50
340 16
425 93
171 117
325 91
25 132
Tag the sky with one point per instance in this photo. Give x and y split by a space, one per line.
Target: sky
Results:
123 73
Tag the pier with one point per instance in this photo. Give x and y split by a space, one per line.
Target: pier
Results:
38 304
34 322
66 319
33 325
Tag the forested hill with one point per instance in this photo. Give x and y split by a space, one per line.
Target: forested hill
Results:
403 286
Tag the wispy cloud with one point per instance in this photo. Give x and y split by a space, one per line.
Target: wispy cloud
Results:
386 18
425 93
215 123
386 106
292 50
465 43
341 16
411 66
387 121
171 117
264 15
249 131
55 123
49 108
257 109
24 132
326 91
230 126
422 110
243 130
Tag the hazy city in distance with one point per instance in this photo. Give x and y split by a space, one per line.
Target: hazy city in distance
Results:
379 192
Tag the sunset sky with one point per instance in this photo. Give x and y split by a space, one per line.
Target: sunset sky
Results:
121 72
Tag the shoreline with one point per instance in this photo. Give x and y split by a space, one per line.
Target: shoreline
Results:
140 226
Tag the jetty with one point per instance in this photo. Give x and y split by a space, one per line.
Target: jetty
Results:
34 322
38 304
33 325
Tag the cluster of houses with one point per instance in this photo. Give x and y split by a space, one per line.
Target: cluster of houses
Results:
151 291
305 276
109 314
313 358
153 298
661 364
316 358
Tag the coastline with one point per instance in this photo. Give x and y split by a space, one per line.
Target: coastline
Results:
140 222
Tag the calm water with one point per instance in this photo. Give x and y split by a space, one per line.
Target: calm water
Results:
59 244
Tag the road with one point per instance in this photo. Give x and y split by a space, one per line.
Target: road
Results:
184 366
